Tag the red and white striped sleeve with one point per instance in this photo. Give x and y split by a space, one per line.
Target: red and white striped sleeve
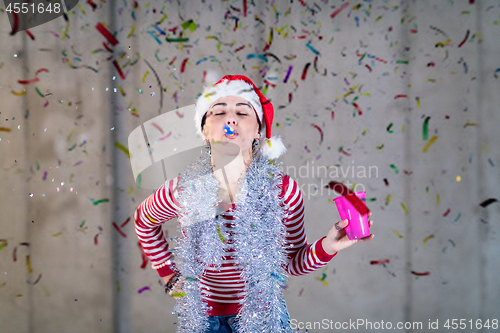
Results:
149 217
303 258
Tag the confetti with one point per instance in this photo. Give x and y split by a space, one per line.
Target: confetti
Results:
289 72
221 236
99 201
28 81
335 13
132 30
420 273
427 238
465 39
278 277
15 25
357 108
123 224
304 72
431 141
395 168
105 32
39 92
379 262
166 136
119 230
404 208
312 49
269 40
320 132
349 195
177 40
122 148
488 202
36 281
397 233
439 31
425 129
150 218
21 93
119 69
28 264
468 123
183 66
144 76
160 87
323 277
140 291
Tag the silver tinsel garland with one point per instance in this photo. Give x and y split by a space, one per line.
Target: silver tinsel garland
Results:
258 242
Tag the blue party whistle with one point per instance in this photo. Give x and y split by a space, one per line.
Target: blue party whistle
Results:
228 130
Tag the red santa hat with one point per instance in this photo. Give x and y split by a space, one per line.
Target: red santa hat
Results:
241 86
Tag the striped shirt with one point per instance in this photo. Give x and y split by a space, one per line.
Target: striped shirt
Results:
226 289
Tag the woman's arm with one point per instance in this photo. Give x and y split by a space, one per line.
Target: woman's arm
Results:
303 258
167 278
149 217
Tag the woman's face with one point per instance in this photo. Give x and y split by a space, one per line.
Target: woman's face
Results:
236 112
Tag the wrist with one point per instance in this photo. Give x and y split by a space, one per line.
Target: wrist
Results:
326 247
171 283
168 277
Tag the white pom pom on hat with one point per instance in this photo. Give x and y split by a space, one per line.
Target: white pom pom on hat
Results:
241 86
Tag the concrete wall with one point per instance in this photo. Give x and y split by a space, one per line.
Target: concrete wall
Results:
399 62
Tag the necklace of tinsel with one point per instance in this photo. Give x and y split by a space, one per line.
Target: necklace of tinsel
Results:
258 242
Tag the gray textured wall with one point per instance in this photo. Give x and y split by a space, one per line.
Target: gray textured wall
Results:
399 62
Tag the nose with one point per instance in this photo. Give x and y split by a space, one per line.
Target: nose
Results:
231 119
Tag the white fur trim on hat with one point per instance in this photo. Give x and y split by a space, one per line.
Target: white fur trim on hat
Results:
273 147
237 88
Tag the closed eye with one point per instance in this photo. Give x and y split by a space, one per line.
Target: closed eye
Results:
238 113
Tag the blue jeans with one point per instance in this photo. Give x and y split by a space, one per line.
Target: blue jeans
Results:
222 324
227 324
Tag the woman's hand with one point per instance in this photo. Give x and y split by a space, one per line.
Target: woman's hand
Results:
337 240
177 289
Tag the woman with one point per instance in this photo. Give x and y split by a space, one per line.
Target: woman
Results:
242 222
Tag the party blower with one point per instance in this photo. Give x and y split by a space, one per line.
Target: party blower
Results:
358 223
